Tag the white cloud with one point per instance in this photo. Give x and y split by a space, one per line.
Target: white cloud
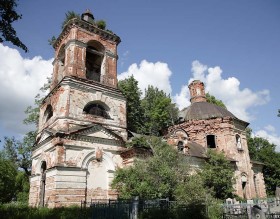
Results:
183 98
148 73
237 100
20 81
270 128
270 134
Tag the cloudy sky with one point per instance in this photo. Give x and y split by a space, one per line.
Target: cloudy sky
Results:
232 46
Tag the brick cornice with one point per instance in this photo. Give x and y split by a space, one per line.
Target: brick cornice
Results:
87 26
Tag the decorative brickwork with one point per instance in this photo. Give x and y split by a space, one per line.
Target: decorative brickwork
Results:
77 149
215 128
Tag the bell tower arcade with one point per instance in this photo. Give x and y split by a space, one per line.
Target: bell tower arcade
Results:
82 121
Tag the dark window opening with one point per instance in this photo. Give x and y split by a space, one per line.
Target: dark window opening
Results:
43 183
180 146
60 63
211 143
93 64
48 113
238 142
96 110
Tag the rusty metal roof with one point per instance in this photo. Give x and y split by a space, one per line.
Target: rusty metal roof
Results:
196 150
205 110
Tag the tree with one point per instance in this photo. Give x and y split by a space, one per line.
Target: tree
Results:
7 16
129 88
166 174
22 187
212 99
261 150
8 174
19 152
218 175
159 111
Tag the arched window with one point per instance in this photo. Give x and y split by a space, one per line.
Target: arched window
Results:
48 113
238 142
180 146
60 63
211 142
94 58
96 109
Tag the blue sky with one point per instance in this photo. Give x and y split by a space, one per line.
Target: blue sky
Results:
233 46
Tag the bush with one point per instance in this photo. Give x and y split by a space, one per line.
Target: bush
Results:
101 24
22 211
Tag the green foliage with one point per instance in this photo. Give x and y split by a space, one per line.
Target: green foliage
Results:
19 211
192 191
52 40
8 174
129 88
68 16
151 114
7 16
212 99
22 187
261 150
139 142
159 111
164 175
176 212
215 209
101 24
19 152
218 175
152 178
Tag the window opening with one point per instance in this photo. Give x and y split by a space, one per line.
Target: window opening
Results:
244 183
211 143
61 63
48 113
238 142
93 64
43 183
96 110
180 146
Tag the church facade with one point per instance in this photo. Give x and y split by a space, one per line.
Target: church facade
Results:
205 126
82 125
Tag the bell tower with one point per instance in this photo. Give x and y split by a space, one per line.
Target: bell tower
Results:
82 122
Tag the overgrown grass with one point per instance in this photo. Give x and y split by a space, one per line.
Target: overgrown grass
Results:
23 211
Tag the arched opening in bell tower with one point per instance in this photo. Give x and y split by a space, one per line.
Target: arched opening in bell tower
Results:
60 63
48 113
94 60
97 109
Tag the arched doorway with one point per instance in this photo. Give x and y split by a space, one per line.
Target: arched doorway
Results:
244 184
43 183
97 180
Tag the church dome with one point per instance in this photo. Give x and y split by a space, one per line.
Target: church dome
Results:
200 109
204 110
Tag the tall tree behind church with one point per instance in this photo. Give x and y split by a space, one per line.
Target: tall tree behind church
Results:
135 113
159 111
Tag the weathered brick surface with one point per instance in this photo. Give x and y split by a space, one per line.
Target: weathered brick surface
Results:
225 130
65 141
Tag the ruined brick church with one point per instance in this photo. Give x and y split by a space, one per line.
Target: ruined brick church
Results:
82 125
